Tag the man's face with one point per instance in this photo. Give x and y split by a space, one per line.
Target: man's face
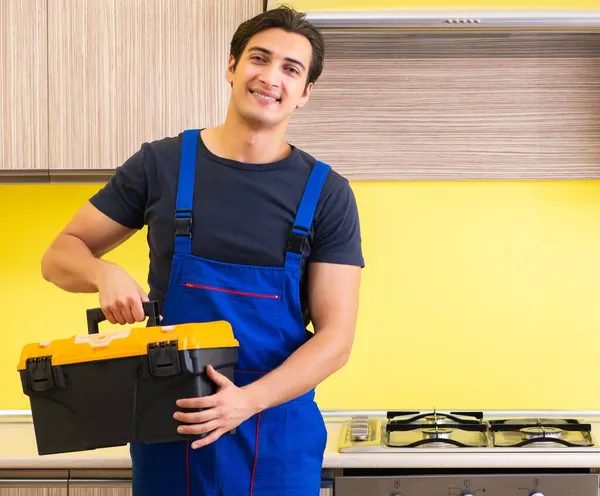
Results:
269 81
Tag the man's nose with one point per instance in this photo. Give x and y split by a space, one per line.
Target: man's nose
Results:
271 76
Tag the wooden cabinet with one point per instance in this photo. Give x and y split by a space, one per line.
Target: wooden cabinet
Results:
100 491
23 85
44 487
33 483
484 107
31 490
100 482
100 488
122 72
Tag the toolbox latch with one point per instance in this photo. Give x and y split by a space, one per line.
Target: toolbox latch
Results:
163 358
39 373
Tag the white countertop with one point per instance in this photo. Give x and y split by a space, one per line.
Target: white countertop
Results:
18 451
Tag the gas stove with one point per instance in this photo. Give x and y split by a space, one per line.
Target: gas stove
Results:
459 431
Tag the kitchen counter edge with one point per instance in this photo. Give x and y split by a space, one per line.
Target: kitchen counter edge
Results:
23 455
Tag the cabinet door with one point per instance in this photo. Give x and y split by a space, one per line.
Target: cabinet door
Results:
23 85
122 72
100 491
100 487
25 487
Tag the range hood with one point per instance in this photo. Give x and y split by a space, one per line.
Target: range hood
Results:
460 19
339 15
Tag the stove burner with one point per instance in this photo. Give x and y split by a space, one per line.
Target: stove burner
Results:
436 433
541 432
435 419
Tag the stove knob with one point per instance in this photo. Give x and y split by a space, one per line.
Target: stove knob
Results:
467 494
537 494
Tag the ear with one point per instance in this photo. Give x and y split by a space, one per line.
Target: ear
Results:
305 96
230 69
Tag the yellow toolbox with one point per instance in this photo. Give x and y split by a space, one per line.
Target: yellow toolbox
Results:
99 390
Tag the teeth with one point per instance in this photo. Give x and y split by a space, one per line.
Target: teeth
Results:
264 96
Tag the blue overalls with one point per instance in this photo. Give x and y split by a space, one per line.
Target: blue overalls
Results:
279 451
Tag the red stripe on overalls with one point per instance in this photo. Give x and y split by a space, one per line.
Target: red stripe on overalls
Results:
255 455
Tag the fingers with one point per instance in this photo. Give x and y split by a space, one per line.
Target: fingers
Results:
121 297
109 315
218 378
137 310
126 310
198 428
211 438
196 417
202 402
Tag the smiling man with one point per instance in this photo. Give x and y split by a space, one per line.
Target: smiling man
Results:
247 228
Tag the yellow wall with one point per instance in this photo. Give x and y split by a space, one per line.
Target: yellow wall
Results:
476 294
313 5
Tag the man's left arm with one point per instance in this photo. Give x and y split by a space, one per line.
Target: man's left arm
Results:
333 291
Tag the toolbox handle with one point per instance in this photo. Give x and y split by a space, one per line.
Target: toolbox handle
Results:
96 315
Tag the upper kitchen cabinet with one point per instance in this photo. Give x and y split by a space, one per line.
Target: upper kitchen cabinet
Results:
433 92
23 85
122 72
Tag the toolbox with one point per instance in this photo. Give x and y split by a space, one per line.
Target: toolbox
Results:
100 390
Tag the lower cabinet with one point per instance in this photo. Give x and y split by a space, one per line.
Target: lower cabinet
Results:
86 483
33 483
100 491
65 483
24 489
27 490
100 488
100 483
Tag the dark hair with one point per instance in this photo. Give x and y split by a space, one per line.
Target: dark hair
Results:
289 20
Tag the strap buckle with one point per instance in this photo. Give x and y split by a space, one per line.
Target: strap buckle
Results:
297 240
183 223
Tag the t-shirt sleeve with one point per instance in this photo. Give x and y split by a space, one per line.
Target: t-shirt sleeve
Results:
123 198
337 237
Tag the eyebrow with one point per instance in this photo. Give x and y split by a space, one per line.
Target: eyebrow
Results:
269 52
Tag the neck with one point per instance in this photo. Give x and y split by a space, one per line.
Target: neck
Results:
238 140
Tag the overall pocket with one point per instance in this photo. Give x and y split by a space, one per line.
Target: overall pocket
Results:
231 291
253 310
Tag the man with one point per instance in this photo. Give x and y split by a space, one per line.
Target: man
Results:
274 243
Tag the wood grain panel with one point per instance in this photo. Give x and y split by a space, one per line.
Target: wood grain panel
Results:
127 71
100 491
23 85
440 107
33 491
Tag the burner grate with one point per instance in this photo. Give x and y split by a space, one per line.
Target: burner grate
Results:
515 433
434 417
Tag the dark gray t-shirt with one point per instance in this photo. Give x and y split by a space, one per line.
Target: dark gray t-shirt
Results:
242 213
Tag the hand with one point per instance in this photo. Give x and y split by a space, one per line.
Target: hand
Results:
224 410
120 296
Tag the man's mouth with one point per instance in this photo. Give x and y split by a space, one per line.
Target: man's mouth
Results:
265 97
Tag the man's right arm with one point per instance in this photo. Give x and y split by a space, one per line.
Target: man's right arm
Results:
73 263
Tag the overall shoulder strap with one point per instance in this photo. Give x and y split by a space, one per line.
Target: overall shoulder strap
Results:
306 211
185 192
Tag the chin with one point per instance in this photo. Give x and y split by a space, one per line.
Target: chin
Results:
262 120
